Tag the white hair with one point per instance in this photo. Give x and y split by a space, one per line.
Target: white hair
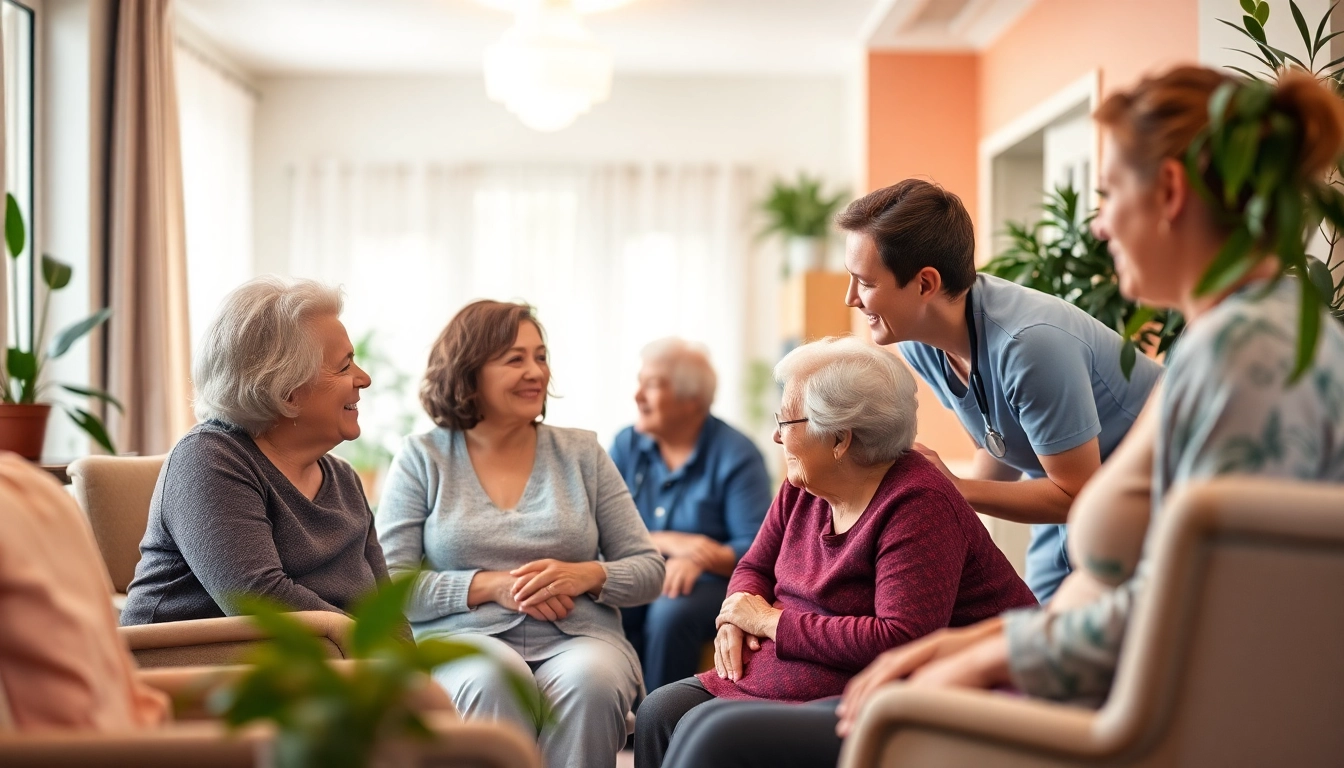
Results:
689 371
259 349
848 385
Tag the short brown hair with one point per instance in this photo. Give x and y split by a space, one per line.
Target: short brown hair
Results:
481 332
917 224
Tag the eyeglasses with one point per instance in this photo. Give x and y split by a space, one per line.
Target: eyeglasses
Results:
781 424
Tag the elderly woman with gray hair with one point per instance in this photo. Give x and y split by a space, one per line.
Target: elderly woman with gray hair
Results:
249 502
702 491
867 546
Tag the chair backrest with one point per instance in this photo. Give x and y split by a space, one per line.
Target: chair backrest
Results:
114 491
1233 655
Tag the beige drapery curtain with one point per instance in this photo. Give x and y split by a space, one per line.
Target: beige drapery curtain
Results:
148 347
4 271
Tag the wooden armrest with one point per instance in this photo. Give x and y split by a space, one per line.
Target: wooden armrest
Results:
230 629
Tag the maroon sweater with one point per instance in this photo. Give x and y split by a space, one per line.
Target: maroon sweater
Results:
918 559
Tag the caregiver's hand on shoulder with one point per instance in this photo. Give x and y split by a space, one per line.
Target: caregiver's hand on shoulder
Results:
908 659
751 613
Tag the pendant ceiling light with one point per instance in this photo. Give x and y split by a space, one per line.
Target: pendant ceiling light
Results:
547 69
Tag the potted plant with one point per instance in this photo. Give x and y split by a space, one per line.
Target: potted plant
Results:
23 412
1246 155
1060 256
330 718
802 215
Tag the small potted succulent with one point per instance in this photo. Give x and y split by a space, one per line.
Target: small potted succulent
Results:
23 411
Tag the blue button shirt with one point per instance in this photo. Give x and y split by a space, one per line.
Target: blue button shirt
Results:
722 491
1053 380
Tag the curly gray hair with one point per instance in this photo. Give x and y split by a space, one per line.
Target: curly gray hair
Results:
259 349
848 385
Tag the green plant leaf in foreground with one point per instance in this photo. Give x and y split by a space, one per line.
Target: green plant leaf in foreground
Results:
72 333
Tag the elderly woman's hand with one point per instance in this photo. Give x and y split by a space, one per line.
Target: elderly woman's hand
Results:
750 613
728 651
538 581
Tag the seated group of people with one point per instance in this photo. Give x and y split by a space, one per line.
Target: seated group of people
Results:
600 575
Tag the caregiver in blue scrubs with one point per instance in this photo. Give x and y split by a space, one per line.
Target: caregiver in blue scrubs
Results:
1035 381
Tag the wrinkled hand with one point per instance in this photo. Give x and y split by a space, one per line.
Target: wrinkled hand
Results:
680 577
728 643
695 547
540 580
750 613
935 460
903 661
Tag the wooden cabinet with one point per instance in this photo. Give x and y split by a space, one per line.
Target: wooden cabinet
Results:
814 307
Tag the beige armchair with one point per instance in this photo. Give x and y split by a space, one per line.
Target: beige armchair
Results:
1232 658
114 492
204 743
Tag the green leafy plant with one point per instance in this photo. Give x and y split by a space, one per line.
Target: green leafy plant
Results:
333 718
800 210
1249 146
21 381
1059 255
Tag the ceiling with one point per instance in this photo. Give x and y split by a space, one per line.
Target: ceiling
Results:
302 37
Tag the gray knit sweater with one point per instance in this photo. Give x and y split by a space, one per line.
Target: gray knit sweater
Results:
435 514
224 522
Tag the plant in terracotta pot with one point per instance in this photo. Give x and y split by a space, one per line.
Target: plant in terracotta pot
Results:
802 215
23 411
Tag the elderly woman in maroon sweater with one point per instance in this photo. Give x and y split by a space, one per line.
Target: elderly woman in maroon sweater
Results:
866 547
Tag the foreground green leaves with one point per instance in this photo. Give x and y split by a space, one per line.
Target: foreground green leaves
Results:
330 717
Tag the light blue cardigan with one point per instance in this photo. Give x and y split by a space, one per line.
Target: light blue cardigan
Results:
435 514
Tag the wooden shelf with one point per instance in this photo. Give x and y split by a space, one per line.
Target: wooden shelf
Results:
814 306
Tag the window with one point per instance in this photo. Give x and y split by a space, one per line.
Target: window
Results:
18 29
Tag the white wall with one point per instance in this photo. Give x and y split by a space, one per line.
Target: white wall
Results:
779 124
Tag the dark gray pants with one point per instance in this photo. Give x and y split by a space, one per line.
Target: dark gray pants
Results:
682 726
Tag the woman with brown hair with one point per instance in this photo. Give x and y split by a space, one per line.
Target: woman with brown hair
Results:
528 539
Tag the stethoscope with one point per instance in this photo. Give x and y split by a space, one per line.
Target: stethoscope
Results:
662 515
993 437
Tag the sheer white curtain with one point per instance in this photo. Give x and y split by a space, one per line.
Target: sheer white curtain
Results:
216 115
611 256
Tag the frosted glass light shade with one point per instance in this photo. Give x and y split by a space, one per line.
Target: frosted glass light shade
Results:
547 69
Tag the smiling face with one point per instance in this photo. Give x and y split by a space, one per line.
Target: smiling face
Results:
808 459
892 310
661 410
512 386
1131 222
328 403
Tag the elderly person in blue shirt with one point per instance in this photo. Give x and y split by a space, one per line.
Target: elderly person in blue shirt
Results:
702 489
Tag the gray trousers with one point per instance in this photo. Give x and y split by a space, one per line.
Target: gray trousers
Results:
588 683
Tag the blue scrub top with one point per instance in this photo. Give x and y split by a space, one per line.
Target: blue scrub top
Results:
722 491
1053 380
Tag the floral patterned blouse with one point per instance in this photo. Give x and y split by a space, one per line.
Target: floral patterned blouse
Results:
1227 408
